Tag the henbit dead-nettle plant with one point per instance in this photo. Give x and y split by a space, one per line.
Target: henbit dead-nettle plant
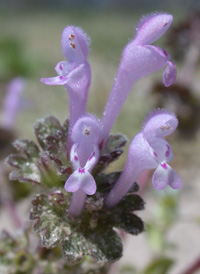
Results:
80 206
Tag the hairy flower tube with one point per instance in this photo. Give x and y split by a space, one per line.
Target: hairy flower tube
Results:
139 59
149 150
75 74
13 102
84 155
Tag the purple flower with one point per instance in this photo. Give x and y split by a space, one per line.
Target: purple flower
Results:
139 59
149 150
84 155
13 102
75 74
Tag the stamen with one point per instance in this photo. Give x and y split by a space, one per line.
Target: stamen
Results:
73 45
71 37
87 131
165 127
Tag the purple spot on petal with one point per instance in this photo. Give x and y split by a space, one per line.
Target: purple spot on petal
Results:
61 77
165 53
167 151
155 154
91 156
81 170
164 165
60 67
75 158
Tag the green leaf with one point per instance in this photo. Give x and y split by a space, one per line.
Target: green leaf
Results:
105 182
49 211
74 248
77 237
104 246
27 148
24 177
160 265
45 127
114 142
128 269
128 222
130 203
16 161
25 162
110 152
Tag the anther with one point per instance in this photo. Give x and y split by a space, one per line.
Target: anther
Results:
87 131
73 45
165 127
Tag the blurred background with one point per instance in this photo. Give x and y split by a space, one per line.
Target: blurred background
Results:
30 49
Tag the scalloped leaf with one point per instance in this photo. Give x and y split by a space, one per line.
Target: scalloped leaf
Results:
23 177
28 148
45 127
51 218
105 182
111 152
128 222
104 246
25 162
130 202
16 160
74 248
76 236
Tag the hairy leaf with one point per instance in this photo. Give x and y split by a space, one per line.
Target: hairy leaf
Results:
45 127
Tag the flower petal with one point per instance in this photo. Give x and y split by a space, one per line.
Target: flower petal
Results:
88 184
61 67
174 180
159 123
74 157
152 27
58 80
73 183
75 44
162 149
93 158
169 75
164 175
140 156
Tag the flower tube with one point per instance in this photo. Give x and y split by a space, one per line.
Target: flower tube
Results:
139 59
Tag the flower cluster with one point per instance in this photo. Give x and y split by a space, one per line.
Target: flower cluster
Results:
87 135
